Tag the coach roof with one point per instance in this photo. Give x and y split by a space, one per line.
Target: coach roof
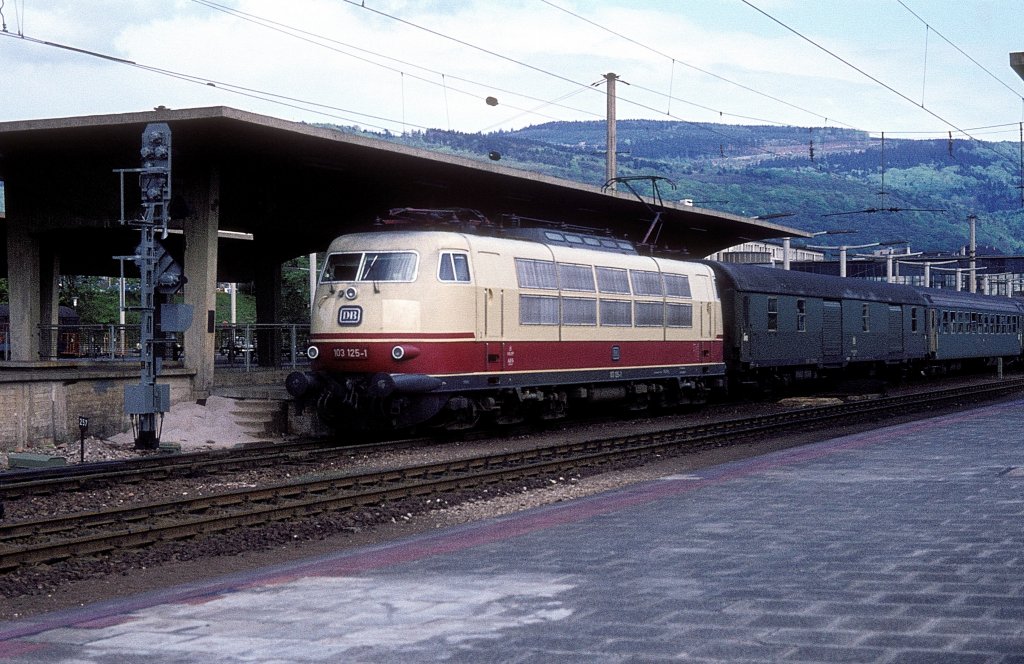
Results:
758 279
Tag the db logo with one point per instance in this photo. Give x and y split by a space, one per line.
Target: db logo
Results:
350 316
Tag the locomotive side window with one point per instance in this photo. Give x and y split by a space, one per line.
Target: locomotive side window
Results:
616 313
536 274
579 311
773 314
677 285
576 277
646 283
679 315
453 267
649 314
538 310
612 280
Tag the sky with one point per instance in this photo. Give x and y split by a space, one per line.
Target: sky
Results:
905 67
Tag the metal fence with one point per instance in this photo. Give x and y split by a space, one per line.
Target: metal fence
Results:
98 342
269 345
248 347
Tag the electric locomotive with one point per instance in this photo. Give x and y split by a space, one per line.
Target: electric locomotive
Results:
449 327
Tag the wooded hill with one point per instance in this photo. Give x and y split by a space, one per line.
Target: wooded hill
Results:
812 173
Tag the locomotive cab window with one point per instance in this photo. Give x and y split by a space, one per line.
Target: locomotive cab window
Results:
453 267
371 266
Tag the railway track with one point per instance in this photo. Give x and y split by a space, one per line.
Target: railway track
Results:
60 537
16 484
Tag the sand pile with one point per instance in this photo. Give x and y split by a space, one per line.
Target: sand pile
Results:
198 427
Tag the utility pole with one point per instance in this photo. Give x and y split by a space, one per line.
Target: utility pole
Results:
610 166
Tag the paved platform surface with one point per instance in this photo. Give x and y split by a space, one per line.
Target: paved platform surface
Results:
900 545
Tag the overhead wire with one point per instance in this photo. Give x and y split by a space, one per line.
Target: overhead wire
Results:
283 100
692 66
319 40
362 5
960 50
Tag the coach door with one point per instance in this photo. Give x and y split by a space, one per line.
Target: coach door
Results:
831 332
896 346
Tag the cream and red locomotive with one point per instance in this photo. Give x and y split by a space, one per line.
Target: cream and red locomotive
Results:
414 326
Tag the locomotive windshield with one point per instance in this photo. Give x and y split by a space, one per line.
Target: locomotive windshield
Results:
371 266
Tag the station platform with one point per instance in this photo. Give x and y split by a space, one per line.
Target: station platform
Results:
900 545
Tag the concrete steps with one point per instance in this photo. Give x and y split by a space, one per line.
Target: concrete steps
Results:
259 417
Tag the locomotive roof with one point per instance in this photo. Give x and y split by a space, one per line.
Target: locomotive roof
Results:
758 279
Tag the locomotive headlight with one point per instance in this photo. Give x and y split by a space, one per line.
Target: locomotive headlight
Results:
312 352
351 293
398 352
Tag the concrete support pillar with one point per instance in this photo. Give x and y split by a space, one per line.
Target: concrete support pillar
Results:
49 300
201 289
268 311
23 262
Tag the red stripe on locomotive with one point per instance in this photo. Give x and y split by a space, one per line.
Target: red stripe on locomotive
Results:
456 357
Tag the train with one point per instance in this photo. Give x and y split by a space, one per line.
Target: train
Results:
451 324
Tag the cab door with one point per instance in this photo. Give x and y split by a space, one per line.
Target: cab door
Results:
490 308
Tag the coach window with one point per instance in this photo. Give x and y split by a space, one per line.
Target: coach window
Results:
913 319
773 314
453 267
801 315
865 317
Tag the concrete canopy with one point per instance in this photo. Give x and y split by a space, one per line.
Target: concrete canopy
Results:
294 187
